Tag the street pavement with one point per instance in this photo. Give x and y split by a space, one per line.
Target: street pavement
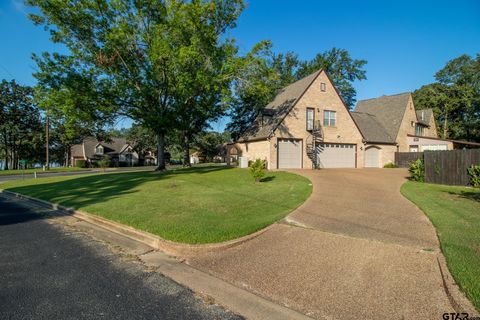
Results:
48 271
42 174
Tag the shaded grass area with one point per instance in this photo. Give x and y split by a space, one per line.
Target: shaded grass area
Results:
455 213
194 205
39 171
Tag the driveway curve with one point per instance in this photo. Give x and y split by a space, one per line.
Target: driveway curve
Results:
355 249
365 204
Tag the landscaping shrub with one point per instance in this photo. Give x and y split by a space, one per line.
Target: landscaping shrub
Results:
104 163
390 165
417 170
81 164
257 169
474 173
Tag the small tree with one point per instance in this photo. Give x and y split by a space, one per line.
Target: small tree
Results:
257 169
417 170
104 163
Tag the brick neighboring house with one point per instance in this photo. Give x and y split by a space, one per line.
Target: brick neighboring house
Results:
391 123
308 125
120 152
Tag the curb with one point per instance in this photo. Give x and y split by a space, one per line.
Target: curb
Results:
173 248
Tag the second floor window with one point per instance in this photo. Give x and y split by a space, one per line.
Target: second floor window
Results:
329 118
310 118
99 150
418 130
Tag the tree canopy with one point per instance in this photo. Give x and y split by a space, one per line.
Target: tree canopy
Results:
455 98
20 125
147 52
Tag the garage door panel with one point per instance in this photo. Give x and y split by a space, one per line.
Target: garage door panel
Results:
289 154
332 155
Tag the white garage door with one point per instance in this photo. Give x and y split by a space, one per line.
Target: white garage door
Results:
371 157
331 155
289 154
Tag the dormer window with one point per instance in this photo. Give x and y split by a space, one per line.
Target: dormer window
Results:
99 149
419 130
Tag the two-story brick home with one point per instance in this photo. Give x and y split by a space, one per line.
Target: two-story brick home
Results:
308 125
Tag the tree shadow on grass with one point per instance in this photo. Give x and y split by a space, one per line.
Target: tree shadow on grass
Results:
267 179
474 196
82 191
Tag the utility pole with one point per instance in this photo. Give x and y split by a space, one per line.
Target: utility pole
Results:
47 163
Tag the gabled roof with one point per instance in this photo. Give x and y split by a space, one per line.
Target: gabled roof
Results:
388 111
371 128
427 115
278 109
116 145
77 150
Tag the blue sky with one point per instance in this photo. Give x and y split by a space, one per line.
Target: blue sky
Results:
404 42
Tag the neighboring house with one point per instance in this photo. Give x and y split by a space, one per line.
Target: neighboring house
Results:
120 152
391 123
308 125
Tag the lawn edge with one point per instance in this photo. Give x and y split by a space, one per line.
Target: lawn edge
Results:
154 241
457 298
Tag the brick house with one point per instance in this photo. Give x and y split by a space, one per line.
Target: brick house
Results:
118 150
308 125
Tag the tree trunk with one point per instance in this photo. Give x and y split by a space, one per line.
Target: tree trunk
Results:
5 165
5 140
67 155
186 151
160 152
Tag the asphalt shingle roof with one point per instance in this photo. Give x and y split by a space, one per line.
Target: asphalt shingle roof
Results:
115 146
371 128
388 111
277 109
427 115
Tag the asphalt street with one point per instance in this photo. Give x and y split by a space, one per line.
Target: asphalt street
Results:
42 174
50 272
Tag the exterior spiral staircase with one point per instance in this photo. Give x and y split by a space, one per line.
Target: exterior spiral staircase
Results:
313 142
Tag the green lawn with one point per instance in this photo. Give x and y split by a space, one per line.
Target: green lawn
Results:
455 213
196 205
39 171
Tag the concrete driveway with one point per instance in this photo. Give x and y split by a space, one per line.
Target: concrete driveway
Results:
356 249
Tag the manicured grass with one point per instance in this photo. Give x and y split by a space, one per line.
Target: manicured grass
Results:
197 205
39 171
455 213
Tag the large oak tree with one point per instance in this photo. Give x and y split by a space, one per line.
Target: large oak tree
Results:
149 52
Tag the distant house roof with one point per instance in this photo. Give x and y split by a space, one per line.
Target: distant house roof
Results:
424 116
88 148
77 150
275 111
388 111
371 128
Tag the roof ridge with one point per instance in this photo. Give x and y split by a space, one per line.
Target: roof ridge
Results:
385 96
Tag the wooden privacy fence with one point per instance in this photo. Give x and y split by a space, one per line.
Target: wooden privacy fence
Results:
404 159
450 167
